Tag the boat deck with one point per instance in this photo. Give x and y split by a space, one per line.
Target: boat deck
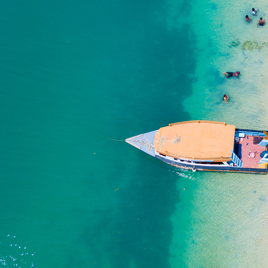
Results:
250 150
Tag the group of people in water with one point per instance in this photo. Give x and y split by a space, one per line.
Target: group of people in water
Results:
231 74
254 13
228 75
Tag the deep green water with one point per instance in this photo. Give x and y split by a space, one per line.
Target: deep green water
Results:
77 78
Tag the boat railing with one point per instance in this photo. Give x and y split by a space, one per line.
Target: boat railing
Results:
237 161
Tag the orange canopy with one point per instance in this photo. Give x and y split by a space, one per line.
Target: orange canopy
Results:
198 140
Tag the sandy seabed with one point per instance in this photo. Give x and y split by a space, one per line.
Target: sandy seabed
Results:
228 226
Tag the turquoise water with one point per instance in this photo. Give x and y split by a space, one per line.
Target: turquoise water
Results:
77 79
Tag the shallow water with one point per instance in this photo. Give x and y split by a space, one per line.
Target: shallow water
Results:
227 219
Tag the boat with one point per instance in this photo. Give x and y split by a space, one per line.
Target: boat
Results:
207 146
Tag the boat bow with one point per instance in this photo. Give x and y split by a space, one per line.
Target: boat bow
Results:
144 142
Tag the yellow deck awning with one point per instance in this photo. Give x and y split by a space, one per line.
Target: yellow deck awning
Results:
198 140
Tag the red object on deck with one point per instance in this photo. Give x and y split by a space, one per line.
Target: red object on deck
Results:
251 151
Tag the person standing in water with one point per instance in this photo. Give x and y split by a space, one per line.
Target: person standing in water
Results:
261 22
248 18
225 97
254 11
230 74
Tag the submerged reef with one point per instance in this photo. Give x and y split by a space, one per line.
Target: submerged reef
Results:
249 45
235 43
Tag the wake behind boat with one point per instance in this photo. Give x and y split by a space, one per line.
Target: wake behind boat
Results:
208 146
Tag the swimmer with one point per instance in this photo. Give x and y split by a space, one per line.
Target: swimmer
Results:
230 74
261 22
248 18
225 97
254 11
